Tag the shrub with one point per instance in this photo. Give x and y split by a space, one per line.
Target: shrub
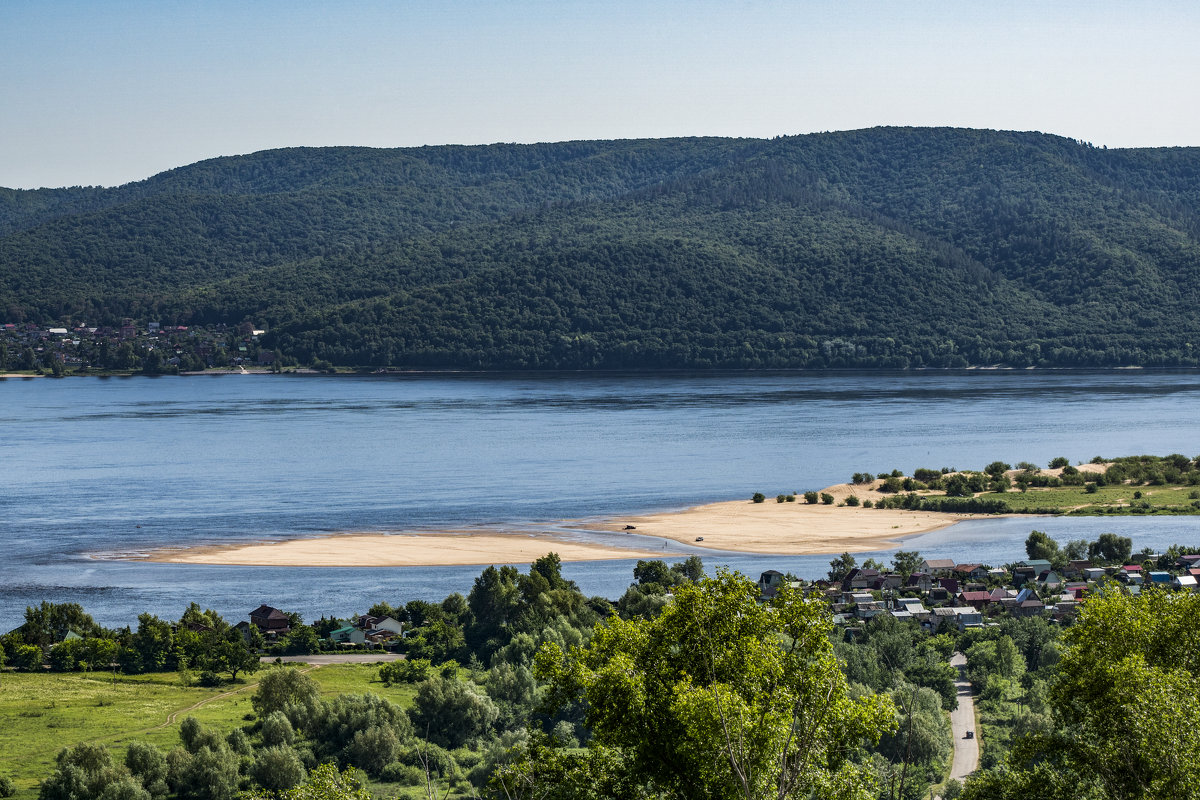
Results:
759 497
451 712
827 498
409 670
867 504
781 498
239 743
277 769
1061 461
289 690
373 749
407 774
852 500
810 498
423 754
892 484
27 658
791 498
7 787
277 730
564 734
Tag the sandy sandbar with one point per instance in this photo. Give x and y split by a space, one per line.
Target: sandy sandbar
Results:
398 550
795 528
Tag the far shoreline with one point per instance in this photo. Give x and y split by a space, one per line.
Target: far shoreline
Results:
351 372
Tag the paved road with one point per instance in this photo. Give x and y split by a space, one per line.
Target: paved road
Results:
962 719
336 658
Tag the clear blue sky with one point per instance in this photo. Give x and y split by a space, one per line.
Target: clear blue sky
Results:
108 92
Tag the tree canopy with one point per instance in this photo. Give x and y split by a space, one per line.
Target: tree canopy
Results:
1125 700
722 697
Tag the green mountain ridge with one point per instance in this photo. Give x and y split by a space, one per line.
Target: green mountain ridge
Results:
886 248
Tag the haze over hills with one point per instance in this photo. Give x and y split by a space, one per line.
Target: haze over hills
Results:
888 247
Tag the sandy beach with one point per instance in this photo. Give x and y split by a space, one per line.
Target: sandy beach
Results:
793 528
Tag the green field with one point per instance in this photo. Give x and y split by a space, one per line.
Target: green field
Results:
41 714
1106 499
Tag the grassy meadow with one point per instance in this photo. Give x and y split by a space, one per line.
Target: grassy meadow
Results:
1117 499
40 714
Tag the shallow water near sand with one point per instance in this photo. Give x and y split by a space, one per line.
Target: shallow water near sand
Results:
101 466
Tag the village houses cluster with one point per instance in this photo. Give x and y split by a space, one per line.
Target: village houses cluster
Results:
27 346
364 631
942 593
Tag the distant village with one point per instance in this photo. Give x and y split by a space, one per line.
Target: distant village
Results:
942 593
151 348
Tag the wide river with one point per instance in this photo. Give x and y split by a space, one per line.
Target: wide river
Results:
95 467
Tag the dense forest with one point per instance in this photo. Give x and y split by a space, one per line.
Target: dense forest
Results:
880 248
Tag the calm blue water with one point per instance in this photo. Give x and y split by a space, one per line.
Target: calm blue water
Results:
96 466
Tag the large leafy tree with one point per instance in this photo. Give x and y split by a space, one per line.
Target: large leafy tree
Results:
1128 691
51 622
1039 545
722 697
1125 701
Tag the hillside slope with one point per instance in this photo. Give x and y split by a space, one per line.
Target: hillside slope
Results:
889 247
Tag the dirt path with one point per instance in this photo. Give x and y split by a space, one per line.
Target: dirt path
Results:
962 719
313 662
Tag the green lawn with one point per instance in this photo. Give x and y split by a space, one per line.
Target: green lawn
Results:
42 713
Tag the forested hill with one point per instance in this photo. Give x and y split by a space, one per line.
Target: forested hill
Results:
889 247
